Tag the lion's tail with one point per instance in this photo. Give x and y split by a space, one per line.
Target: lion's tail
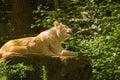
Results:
1 58
0 55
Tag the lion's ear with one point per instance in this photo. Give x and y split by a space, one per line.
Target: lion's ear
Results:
56 23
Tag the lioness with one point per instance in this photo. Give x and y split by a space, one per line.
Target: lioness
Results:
46 43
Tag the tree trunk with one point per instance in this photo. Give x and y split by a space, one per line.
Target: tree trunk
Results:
56 4
22 16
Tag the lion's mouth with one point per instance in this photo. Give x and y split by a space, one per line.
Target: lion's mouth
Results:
70 33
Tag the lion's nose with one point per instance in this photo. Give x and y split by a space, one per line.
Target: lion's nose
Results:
70 30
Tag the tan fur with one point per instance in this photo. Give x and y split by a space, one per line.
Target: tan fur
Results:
46 43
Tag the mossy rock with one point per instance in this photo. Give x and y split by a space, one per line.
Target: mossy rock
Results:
58 68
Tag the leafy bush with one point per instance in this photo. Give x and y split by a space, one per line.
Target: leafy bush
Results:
13 72
97 28
44 73
104 52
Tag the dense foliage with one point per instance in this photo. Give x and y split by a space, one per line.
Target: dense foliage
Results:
13 72
96 32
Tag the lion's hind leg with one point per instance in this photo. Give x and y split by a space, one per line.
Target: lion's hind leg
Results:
8 54
19 49
16 50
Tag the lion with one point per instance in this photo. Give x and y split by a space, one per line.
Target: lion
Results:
46 43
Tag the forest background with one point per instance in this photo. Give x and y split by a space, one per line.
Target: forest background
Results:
95 24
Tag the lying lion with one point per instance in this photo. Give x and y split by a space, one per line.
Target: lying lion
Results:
46 43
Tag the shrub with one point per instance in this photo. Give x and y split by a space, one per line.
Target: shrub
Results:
44 73
13 72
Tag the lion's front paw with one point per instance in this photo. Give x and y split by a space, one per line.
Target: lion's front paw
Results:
68 53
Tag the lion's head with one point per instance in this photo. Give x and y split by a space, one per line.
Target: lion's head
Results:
63 31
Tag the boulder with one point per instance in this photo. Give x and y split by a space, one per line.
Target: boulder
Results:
58 68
